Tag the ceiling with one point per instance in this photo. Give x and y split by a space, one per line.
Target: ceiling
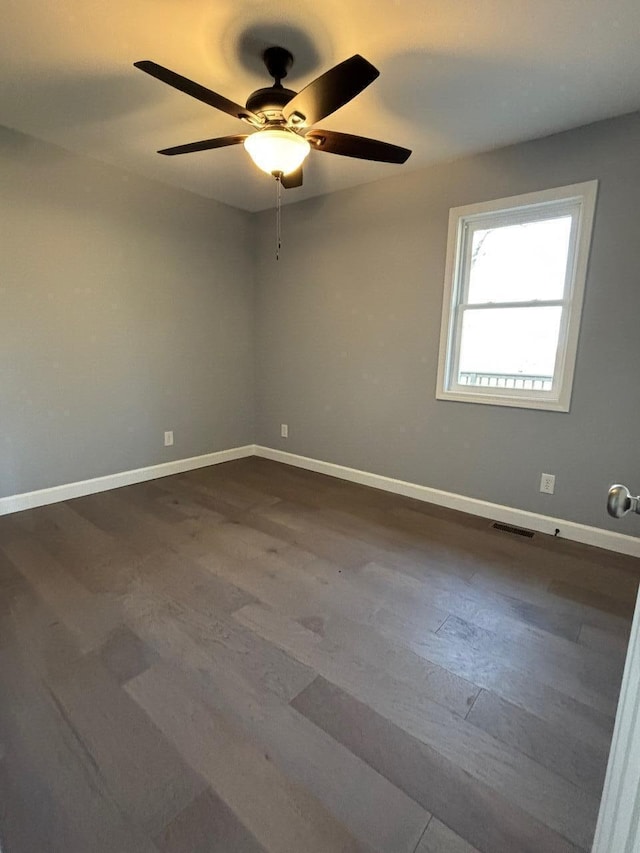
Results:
456 78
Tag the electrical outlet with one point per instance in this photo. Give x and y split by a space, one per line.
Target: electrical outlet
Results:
548 483
168 438
284 430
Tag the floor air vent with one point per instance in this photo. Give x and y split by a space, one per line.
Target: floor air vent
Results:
507 528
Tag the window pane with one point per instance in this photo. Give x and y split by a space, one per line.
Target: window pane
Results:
509 347
519 263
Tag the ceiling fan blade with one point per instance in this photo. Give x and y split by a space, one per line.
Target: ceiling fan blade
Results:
357 146
330 91
207 96
204 145
294 179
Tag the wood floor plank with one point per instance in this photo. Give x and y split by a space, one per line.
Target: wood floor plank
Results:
567 654
300 596
458 545
239 541
544 657
115 516
566 714
506 567
411 597
225 641
52 795
315 588
371 808
323 542
289 484
546 796
313 646
384 655
483 817
207 825
462 658
35 636
602 575
584 677
150 498
9 574
313 595
438 838
193 498
512 556
185 584
14 588
597 600
163 549
142 771
90 617
189 503
449 594
196 536
396 543
613 646
125 655
86 551
537 600
281 815
228 492
581 763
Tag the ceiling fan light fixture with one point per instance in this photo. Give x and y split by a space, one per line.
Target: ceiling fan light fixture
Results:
276 150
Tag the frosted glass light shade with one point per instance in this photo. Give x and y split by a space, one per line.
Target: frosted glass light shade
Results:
277 150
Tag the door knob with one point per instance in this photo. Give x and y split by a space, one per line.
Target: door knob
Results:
620 501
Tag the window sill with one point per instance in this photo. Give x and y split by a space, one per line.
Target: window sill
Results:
550 404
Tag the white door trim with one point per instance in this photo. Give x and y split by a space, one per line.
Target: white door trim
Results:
618 829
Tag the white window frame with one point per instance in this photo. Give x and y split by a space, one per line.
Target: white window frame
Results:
577 200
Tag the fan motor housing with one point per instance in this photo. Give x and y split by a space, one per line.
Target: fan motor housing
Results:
269 100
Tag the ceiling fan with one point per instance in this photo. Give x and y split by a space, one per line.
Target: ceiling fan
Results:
283 119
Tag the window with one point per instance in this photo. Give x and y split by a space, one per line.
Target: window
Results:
515 277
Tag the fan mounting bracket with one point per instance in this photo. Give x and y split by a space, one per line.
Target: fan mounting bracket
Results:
278 61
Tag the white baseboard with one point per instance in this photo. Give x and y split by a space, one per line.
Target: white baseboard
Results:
41 497
608 539
597 536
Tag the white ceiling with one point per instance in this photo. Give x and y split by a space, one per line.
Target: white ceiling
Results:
456 77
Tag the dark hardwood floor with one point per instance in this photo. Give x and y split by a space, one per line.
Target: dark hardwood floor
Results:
253 658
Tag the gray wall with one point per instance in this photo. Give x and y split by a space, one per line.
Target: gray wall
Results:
126 308
349 322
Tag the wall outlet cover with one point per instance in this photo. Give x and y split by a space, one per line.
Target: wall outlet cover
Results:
547 483
168 438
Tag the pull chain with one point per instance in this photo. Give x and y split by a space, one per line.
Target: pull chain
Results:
278 215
